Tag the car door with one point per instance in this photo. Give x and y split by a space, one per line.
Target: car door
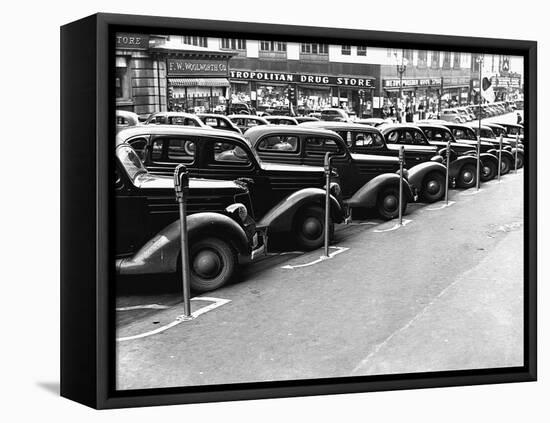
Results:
166 152
417 149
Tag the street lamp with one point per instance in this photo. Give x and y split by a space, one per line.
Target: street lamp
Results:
401 66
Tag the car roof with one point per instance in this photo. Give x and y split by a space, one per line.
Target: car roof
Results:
335 125
211 115
491 124
456 125
255 133
475 125
432 125
515 125
182 114
388 126
245 116
279 117
133 131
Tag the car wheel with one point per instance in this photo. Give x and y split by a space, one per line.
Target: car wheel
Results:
488 171
505 165
388 203
212 263
309 228
520 160
466 176
433 187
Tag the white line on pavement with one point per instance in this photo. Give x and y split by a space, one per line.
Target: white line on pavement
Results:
319 260
143 306
216 302
442 206
394 227
467 193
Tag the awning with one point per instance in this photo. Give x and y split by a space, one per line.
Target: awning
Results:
198 82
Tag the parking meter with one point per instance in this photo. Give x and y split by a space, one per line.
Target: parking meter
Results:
401 161
517 148
478 161
448 158
499 156
181 186
328 171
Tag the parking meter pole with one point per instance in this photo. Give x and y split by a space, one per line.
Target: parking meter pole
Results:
447 173
499 156
478 162
401 159
181 185
327 203
516 160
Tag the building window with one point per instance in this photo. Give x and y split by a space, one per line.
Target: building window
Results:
122 78
408 54
233 44
313 48
435 59
272 46
346 50
456 60
195 41
475 62
361 50
422 58
447 59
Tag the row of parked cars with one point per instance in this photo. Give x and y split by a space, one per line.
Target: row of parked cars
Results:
469 113
250 182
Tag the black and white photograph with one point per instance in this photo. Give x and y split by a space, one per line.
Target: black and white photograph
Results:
290 210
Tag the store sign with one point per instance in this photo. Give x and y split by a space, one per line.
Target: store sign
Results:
407 82
191 67
505 82
132 41
296 78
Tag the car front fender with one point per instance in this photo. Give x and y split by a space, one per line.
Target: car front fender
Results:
367 195
280 217
488 157
458 163
418 172
160 254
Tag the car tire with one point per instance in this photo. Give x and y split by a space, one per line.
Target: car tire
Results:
212 263
433 187
488 171
309 228
388 203
520 160
466 177
505 165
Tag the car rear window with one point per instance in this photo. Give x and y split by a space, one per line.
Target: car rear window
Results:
279 143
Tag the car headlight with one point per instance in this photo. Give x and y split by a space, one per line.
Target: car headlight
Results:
238 210
335 189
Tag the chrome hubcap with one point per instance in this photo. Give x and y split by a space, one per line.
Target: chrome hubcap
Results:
486 170
468 176
207 264
390 202
433 187
312 228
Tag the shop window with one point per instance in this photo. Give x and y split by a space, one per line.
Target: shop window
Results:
456 60
313 48
435 59
447 59
122 78
195 41
422 58
279 144
228 152
361 50
346 50
233 44
408 54
272 46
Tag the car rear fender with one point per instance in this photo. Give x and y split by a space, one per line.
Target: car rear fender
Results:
160 254
457 164
367 195
418 172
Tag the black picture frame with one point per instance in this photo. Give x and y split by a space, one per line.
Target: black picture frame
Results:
87 126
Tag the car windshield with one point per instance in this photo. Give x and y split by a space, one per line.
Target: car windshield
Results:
130 161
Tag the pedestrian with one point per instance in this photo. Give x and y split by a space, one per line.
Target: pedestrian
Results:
519 120
409 115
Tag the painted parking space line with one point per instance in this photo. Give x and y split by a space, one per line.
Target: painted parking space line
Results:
143 307
442 206
363 223
467 194
216 302
394 227
319 260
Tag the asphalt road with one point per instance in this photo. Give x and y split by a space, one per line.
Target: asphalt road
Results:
442 292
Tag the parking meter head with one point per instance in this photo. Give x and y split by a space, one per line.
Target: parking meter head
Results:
181 181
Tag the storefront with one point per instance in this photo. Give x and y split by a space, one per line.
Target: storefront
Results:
419 95
507 87
306 92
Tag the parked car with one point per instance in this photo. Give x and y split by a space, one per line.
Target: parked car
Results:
451 115
513 130
508 141
462 170
285 198
487 135
245 122
281 120
334 114
126 119
302 119
222 234
237 107
465 134
439 135
175 118
217 121
367 145
373 121
366 182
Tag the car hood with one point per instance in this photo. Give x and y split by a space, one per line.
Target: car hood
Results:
283 167
374 158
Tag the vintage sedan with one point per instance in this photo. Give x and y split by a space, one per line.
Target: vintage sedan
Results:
281 120
364 142
367 181
467 135
245 122
508 141
217 121
439 135
222 234
303 119
126 119
335 114
462 170
513 130
285 198
175 118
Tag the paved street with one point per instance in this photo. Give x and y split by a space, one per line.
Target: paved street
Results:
441 292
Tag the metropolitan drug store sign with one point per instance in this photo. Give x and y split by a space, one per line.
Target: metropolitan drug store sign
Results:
297 78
